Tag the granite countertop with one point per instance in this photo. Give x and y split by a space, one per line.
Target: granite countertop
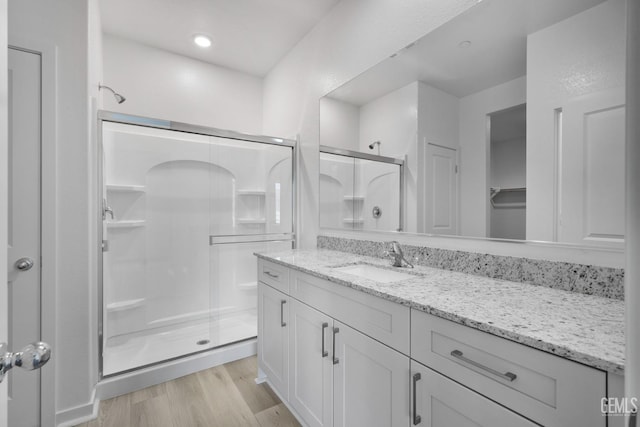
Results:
583 328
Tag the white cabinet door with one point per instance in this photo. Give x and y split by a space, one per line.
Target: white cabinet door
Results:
273 339
370 382
310 365
440 402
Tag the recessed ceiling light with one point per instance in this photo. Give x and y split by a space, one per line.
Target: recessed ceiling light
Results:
202 41
464 44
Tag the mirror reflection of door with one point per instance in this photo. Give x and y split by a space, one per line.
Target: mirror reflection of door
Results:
24 229
507 173
440 190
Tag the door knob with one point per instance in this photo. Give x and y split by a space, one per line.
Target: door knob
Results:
24 264
32 356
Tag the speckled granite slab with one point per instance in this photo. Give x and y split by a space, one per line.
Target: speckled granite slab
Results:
585 279
583 328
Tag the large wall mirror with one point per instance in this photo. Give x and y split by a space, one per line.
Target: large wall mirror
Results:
510 120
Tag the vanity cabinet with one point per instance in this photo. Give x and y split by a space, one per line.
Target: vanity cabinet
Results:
337 375
344 358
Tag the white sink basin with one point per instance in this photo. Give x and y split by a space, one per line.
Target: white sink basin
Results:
376 274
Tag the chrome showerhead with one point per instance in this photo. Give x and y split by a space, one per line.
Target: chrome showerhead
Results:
119 98
373 144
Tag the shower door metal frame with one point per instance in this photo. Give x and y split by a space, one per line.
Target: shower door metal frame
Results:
376 158
148 122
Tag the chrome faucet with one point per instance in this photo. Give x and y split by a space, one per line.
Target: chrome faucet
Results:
398 255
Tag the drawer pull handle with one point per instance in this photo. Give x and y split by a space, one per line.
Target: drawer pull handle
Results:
335 359
509 376
272 275
282 322
417 419
325 353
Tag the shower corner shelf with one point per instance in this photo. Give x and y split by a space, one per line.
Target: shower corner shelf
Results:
126 223
125 305
251 220
126 188
353 221
257 193
354 198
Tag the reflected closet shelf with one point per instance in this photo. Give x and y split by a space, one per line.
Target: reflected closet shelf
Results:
126 224
353 221
251 220
259 193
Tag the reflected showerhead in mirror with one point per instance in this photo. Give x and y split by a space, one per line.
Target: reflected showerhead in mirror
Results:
373 144
119 98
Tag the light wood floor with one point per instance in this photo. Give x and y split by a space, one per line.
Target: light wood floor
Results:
224 396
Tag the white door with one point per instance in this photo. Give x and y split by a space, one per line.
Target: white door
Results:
592 183
273 337
24 231
440 190
310 365
3 200
371 382
440 402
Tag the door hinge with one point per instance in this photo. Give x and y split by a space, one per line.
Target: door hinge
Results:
105 246
456 168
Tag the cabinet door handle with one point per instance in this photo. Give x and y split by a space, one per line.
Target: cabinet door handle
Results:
325 353
270 274
282 322
417 419
509 376
335 359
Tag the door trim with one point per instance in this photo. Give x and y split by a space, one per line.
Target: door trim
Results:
48 284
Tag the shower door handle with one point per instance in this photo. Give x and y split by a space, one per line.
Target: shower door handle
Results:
282 322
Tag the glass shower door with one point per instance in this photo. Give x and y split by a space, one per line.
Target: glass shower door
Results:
183 214
259 219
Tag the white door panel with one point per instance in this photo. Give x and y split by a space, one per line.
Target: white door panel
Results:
592 181
24 230
441 190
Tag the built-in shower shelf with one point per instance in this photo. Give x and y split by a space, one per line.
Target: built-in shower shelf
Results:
353 221
251 220
125 305
126 223
127 188
256 193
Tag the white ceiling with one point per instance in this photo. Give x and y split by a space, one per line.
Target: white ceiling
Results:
497 30
248 35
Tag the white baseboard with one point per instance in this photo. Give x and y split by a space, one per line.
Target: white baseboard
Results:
79 414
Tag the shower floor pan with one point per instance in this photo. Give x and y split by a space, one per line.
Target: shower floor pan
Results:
126 352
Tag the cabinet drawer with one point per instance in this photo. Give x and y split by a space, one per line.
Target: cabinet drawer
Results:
274 275
385 321
545 388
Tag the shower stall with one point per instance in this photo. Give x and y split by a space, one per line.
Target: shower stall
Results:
360 191
183 210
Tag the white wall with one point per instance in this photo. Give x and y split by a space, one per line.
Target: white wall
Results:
474 151
164 85
595 39
339 124
65 24
355 35
508 170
